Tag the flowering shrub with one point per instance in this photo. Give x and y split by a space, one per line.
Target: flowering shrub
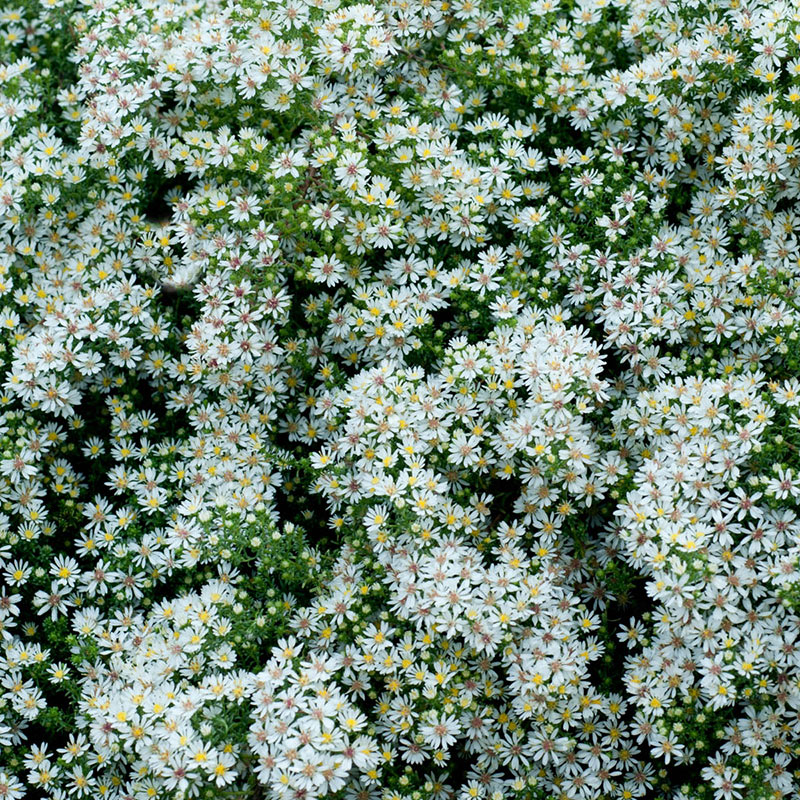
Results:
400 400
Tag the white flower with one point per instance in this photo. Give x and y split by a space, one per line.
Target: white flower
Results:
441 731
327 269
289 163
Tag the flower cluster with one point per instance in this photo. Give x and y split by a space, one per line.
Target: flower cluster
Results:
400 399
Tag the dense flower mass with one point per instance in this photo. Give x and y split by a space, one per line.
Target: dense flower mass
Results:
400 400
